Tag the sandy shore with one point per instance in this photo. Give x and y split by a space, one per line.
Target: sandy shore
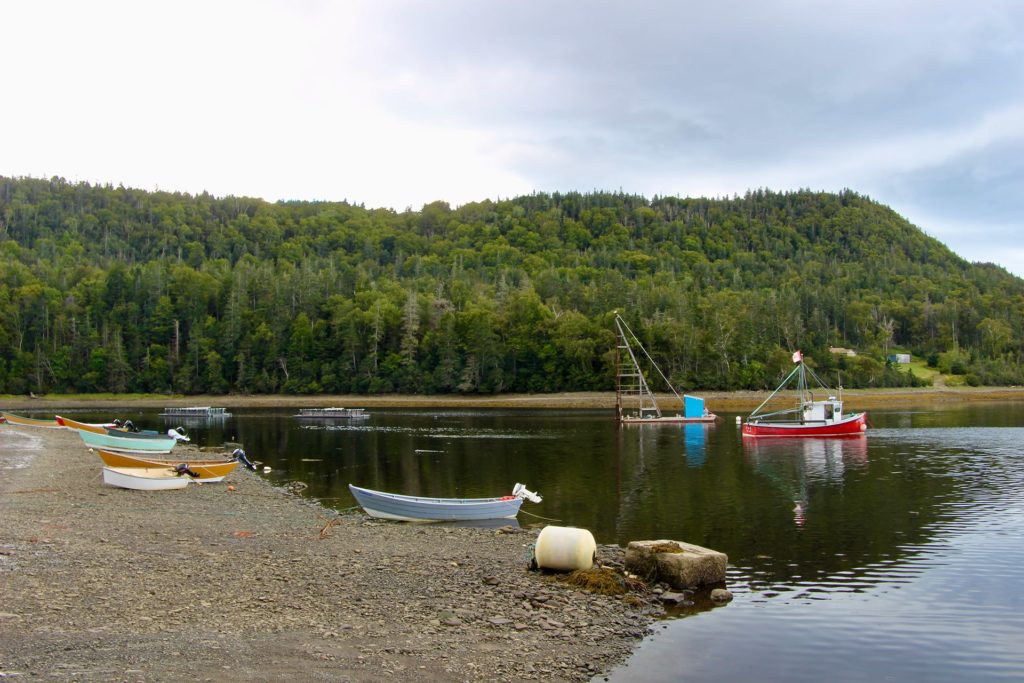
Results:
725 401
255 584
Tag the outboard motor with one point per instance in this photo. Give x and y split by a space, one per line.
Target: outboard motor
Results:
182 468
178 434
520 491
239 455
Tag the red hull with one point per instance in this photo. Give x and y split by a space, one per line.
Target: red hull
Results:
852 425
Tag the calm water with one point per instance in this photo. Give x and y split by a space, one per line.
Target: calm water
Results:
899 556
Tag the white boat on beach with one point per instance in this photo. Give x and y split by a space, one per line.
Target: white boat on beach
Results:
145 478
404 508
205 471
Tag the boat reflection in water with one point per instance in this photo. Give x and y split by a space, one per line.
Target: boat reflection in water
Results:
797 465
695 439
817 459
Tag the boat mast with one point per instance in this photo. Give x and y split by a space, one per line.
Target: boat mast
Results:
618 382
633 383
802 384
804 392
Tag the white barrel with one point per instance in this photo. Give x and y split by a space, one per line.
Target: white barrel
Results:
564 548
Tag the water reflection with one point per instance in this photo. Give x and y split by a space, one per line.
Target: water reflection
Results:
812 460
900 550
696 436
906 567
795 465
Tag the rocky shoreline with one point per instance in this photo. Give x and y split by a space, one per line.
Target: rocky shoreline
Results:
242 581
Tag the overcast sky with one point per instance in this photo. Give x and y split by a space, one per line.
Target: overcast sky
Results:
918 104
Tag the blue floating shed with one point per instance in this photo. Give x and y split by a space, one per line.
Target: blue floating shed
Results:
693 406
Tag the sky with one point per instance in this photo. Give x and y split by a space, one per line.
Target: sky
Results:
918 104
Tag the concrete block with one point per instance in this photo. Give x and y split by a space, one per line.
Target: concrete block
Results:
680 565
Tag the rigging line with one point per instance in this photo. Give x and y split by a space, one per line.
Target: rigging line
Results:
549 519
818 379
655 365
777 390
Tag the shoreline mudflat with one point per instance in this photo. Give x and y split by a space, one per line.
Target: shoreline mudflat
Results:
242 581
856 399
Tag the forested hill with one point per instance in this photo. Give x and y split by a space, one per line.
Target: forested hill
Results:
114 289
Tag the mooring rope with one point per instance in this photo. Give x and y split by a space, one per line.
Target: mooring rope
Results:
548 519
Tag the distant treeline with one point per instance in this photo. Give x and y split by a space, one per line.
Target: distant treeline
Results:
106 289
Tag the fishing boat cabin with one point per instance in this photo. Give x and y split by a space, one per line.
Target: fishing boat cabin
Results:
827 411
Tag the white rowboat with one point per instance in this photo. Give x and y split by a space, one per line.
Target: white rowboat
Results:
426 509
145 478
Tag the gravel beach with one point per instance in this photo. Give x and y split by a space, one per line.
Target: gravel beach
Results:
256 584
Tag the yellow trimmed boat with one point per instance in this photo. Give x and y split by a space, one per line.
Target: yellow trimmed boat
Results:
208 471
30 422
84 426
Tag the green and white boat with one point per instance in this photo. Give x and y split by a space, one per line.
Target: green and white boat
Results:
128 443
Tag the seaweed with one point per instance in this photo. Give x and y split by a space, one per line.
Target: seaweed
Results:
600 580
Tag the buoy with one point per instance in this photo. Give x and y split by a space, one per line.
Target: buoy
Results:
564 548
230 487
739 419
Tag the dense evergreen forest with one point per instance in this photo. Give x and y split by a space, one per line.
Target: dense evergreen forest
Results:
106 289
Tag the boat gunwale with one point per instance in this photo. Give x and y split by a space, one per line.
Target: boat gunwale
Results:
433 499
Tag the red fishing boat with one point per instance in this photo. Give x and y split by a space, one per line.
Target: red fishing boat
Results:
811 417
